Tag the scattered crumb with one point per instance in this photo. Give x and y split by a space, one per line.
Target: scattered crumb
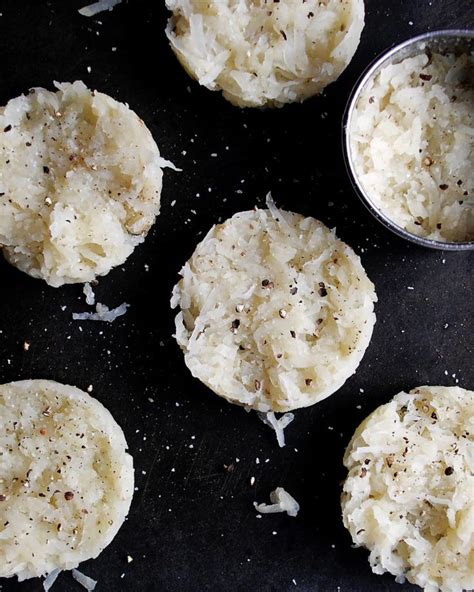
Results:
278 425
89 294
282 501
97 7
103 313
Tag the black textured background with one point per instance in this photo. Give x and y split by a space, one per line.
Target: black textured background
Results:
192 527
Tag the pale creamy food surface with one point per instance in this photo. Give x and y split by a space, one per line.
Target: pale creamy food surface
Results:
80 183
412 144
265 52
409 494
276 312
66 479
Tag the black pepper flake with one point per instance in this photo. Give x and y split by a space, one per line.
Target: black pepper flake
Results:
46 170
438 226
322 290
443 187
363 472
448 471
308 381
3 498
426 77
28 144
434 416
7 128
293 291
283 34
428 161
68 496
371 100
235 325
267 284
293 334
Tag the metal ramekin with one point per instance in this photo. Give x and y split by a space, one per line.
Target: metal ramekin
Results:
461 40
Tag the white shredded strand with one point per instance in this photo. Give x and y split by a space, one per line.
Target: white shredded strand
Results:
278 425
48 582
97 7
103 313
89 294
167 164
277 214
88 583
282 501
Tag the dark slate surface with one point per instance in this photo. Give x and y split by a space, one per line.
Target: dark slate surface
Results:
192 526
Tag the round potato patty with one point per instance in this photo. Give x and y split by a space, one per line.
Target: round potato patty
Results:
66 480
